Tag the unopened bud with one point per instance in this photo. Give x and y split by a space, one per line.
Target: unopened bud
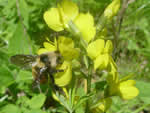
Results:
112 9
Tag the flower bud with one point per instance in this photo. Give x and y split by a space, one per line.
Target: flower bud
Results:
112 9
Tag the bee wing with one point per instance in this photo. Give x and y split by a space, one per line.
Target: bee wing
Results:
24 61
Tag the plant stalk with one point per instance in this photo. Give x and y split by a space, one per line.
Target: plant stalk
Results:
89 80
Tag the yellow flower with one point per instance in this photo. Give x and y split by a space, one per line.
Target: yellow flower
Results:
100 53
68 11
124 88
66 48
127 89
95 48
48 47
112 9
59 18
85 23
104 105
68 53
52 18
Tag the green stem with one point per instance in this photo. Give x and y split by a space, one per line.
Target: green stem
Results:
141 108
75 31
89 79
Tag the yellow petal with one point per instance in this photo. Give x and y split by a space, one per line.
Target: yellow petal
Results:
68 11
66 92
106 103
52 18
55 97
112 67
95 48
108 47
85 23
68 42
66 48
127 90
42 50
101 62
127 93
63 78
112 64
128 83
49 47
70 54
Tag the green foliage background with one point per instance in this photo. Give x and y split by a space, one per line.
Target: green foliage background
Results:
22 31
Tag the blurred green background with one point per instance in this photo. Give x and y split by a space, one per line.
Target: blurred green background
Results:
23 30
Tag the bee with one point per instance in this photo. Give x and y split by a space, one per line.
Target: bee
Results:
43 66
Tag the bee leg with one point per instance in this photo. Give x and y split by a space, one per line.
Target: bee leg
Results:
42 70
60 70
52 79
38 85
54 86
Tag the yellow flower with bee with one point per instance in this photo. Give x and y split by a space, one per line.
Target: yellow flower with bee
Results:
67 52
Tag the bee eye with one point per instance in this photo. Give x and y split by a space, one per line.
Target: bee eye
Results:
44 58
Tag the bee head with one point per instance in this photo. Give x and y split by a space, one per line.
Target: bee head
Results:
44 58
51 59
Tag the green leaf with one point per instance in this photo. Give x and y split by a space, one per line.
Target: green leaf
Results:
37 101
99 85
24 12
81 101
24 76
80 91
36 2
64 101
24 80
19 43
35 111
9 9
80 109
6 78
144 91
4 56
143 85
23 100
10 108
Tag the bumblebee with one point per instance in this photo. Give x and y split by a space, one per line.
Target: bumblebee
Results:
43 66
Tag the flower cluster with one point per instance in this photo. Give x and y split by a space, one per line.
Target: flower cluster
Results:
66 16
60 18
